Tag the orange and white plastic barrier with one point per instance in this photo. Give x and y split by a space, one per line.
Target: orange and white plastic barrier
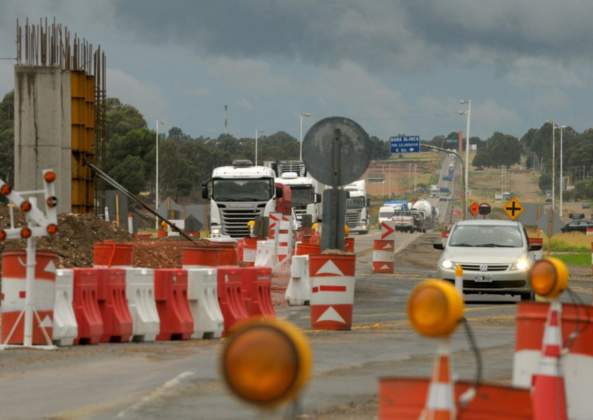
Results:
265 255
298 291
13 296
440 403
383 256
332 291
141 303
65 327
203 301
576 363
247 251
388 231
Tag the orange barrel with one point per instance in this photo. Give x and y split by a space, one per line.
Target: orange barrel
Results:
382 258
307 249
209 257
332 291
12 302
349 244
110 254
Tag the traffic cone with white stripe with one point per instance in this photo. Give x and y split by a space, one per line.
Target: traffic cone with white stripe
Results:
440 404
548 392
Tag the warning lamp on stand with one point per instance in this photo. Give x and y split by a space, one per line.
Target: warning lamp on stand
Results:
3 235
26 233
266 362
52 201
49 176
26 206
52 229
548 277
5 189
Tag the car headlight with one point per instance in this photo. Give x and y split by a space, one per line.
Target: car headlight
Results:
522 264
215 231
447 264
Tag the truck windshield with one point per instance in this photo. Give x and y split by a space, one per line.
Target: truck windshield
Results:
301 196
486 236
242 189
355 203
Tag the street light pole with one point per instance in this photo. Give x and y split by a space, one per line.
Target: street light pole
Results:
257 133
468 116
156 189
553 166
561 185
301 117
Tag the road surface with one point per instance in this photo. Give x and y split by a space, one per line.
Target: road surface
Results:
181 379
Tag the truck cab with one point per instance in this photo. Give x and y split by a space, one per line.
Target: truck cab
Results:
357 205
238 194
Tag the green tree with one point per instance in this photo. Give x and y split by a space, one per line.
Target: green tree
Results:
130 173
7 137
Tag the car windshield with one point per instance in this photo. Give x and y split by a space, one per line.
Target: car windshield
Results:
301 196
242 189
386 214
492 236
355 203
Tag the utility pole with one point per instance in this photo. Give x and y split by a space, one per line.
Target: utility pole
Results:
301 117
156 189
468 116
561 185
553 166
257 133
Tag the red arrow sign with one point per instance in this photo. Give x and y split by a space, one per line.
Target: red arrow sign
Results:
387 231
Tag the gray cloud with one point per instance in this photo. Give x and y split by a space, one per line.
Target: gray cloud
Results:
372 33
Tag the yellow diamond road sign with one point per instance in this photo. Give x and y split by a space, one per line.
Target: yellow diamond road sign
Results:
513 208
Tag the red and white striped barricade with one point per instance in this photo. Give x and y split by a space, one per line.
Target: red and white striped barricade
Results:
332 291
13 296
247 251
65 325
577 358
203 301
298 291
383 256
388 231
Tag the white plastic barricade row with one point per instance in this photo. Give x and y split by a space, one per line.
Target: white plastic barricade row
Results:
203 302
265 255
142 305
298 291
65 325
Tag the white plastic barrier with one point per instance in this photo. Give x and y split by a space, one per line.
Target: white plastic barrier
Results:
203 302
298 291
65 325
140 294
265 254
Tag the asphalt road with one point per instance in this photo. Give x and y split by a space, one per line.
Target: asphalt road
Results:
181 379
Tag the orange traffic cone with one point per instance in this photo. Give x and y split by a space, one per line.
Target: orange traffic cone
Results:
548 392
440 404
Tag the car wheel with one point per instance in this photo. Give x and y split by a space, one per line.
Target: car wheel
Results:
527 297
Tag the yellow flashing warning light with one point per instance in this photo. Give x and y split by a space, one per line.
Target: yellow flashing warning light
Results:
346 230
548 277
251 224
266 361
458 270
435 308
315 227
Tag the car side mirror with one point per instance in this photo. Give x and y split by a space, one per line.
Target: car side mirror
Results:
535 247
317 198
438 245
205 193
279 192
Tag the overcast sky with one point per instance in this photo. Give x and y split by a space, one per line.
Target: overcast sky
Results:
393 66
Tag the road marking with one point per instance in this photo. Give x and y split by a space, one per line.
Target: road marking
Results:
157 392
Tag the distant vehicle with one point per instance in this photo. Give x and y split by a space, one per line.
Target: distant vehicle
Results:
397 204
386 214
357 207
495 256
434 190
404 221
445 190
428 214
238 194
577 226
497 197
507 195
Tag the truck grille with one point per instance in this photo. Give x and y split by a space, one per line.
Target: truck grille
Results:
490 267
234 221
352 218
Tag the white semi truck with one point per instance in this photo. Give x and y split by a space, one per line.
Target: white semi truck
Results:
305 191
357 203
239 193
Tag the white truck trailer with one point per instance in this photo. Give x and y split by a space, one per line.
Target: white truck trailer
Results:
357 203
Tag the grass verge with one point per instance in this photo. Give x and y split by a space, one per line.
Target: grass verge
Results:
580 259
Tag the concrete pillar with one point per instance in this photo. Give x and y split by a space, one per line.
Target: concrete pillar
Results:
42 129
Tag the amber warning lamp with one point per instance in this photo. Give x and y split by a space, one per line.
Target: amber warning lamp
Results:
266 362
